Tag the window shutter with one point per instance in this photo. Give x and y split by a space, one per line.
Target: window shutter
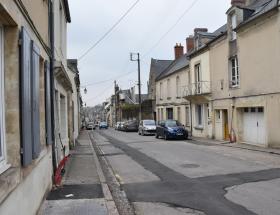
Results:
25 74
35 93
48 103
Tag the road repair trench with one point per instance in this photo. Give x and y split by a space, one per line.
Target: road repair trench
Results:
204 193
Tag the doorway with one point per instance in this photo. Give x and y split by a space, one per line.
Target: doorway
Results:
225 124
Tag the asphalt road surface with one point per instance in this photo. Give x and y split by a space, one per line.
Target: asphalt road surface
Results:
183 177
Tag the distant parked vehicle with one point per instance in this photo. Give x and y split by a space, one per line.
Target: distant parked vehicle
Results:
103 125
147 127
117 125
171 129
121 126
90 126
130 126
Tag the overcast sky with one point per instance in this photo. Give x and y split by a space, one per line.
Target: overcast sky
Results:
138 32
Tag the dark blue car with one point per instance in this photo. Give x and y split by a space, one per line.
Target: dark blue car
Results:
103 125
171 129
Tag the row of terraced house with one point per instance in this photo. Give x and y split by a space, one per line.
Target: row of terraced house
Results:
39 100
227 84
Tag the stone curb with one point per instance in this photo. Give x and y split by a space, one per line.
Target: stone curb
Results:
110 203
120 198
240 146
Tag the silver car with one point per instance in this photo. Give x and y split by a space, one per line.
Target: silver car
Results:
147 127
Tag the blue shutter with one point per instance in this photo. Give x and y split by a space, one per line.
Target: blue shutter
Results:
48 103
35 93
25 75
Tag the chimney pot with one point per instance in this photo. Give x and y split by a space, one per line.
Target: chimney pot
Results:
179 50
238 2
200 30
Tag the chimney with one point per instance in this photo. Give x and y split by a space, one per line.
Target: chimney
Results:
240 3
179 50
190 43
200 30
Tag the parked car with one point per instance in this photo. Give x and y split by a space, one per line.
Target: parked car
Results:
90 126
121 126
171 129
147 127
103 125
117 125
130 126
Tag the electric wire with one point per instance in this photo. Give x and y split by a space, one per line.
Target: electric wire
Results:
109 31
170 29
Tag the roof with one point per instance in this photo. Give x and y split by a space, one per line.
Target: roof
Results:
67 10
258 8
216 34
158 66
174 67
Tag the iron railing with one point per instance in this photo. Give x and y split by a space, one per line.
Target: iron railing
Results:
198 88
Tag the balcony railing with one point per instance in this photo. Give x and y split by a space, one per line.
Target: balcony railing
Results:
195 89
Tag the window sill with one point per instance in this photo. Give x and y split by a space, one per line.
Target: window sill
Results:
198 127
235 87
9 181
168 98
4 167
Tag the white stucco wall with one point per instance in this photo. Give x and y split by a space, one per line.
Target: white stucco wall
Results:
29 194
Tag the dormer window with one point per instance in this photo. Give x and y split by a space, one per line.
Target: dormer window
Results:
233 25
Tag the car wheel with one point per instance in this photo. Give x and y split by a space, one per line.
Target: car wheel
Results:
157 136
165 136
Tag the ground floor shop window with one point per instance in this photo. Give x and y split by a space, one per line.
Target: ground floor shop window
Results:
199 115
169 113
188 116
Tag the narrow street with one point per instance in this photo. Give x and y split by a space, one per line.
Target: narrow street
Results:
187 177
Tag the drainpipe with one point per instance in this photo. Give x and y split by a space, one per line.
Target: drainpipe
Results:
51 30
191 118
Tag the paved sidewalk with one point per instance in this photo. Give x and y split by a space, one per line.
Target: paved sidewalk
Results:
235 145
81 192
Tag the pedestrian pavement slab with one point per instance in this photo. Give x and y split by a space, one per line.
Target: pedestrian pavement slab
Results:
80 191
75 207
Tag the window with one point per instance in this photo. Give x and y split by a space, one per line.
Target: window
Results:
178 87
187 116
197 70
3 165
260 109
169 113
218 115
179 114
233 25
160 90
234 72
199 115
168 88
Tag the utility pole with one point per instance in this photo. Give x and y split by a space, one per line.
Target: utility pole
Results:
139 81
116 118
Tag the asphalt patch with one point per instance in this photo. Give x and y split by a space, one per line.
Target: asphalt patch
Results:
83 191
